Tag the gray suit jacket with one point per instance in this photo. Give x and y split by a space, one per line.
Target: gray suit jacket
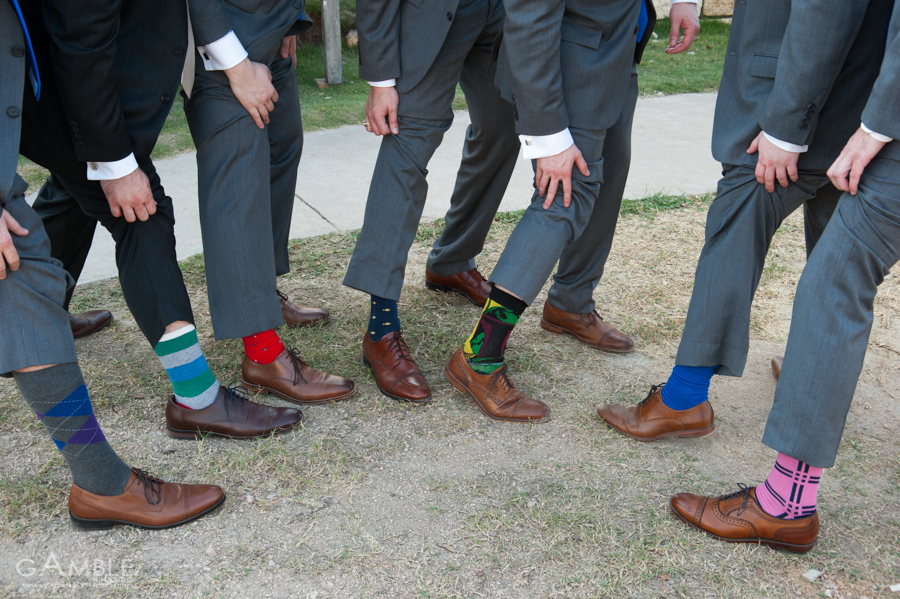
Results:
800 71
12 79
567 62
882 112
399 39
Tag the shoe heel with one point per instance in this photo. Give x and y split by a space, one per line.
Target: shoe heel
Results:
436 287
83 524
700 433
550 327
177 434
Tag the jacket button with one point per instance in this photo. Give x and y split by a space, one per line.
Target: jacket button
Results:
18 51
73 123
79 142
811 107
449 16
77 136
13 111
165 98
75 129
804 126
178 51
804 120
298 4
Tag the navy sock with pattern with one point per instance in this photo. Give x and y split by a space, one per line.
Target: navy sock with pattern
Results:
384 318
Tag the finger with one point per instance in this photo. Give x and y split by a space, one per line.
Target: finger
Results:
14 227
838 177
115 209
254 114
285 47
760 173
382 121
769 180
10 255
274 98
150 207
781 175
754 146
792 172
269 104
129 214
141 213
674 32
855 173
551 191
582 165
392 120
690 34
538 175
263 114
546 178
567 190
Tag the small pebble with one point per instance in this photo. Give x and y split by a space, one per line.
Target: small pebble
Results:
249 499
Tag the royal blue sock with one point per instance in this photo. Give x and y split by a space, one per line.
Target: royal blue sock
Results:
687 387
384 318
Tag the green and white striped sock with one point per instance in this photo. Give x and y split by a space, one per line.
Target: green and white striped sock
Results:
194 383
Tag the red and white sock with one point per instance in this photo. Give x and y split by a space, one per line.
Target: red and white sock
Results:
263 348
790 490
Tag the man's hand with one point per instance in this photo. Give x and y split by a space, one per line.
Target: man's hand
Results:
556 169
381 111
773 162
130 196
846 170
251 83
289 48
683 16
8 253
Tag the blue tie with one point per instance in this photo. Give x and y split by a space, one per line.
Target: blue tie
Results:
642 21
30 61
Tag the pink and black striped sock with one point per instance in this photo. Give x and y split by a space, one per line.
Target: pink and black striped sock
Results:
790 490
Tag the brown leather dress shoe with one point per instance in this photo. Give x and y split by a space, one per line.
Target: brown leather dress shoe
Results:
147 502
588 328
396 374
494 393
301 316
777 361
87 323
295 380
232 415
652 419
738 518
470 284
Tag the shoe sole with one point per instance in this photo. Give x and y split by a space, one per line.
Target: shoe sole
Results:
194 435
463 389
448 289
701 432
98 329
790 547
304 402
313 323
391 395
82 524
561 331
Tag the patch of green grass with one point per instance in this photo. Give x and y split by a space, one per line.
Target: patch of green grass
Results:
660 201
698 70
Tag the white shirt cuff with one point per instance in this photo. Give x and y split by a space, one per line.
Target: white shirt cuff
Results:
223 53
105 171
877 136
385 83
787 147
541 146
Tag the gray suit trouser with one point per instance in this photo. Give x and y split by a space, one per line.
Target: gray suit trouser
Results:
739 228
247 179
399 187
34 327
832 319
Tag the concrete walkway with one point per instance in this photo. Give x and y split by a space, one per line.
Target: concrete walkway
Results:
671 154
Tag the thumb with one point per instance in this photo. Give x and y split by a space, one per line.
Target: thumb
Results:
754 146
582 165
392 119
13 225
674 31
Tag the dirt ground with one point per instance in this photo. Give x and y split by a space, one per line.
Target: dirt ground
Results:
373 498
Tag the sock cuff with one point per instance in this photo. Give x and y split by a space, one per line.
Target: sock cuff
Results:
56 381
508 301
178 333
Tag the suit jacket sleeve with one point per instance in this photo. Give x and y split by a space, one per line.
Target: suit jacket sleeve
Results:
208 21
378 23
817 40
83 48
882 112
531 40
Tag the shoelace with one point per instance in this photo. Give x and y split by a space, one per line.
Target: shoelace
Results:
152 486
502 378
477 275
742 490
283 297
653 389
398 347
298 364
234 396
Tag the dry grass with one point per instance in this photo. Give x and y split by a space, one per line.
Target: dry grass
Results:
377 499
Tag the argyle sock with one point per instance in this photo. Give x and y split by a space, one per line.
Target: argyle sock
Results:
194 384
790 490
688 386
60 399
485 346
263 348
384 318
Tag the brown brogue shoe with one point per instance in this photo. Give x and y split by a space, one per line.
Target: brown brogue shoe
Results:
301 316
652 419
470 284
494 393
147 502
738 518
87 323
231 415
396 374
295 380
588 328
777 361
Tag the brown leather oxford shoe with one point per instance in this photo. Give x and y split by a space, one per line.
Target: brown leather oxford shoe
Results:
396 374
652 419
295 380
301 316
494 393
148 502
231 415
87 323
777 361
738 518
588 328
470 284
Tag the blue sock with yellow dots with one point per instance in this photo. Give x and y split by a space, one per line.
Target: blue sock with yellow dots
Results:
384 318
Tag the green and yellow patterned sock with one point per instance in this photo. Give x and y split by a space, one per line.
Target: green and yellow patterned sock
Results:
485 346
